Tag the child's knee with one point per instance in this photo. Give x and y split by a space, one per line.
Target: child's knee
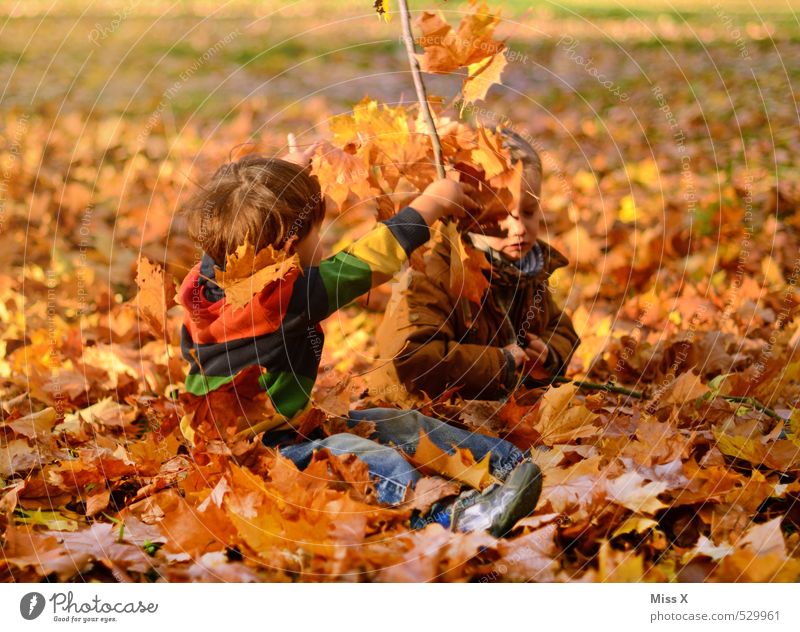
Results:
344 442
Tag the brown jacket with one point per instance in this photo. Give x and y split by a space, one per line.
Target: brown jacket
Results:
430 340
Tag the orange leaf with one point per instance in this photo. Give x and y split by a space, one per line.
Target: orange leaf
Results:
156 295
460 465
466 265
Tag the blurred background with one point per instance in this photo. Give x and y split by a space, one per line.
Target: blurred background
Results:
668 131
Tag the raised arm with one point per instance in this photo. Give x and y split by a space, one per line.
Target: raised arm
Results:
377 256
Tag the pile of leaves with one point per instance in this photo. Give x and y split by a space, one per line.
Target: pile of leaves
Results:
697 481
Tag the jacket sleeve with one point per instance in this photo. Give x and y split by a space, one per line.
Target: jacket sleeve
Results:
420 339
369 261
561 338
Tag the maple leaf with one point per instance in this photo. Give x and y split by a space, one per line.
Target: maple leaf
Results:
156 295
782 455
490 153
558 422
630 491
247 272
54 520
576 488
446 50
331 394
635 524
466 266
519 422
343 171
481 76
17 457
459 465
189 530
296 509
531 557
687 387
619 566
34 426
429 490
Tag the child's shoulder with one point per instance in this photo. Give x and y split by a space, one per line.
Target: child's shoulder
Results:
553 258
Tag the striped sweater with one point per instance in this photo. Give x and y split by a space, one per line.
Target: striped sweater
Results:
279 329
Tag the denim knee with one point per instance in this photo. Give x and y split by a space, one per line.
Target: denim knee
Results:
392 473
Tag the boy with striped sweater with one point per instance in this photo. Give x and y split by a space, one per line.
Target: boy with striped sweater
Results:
274 343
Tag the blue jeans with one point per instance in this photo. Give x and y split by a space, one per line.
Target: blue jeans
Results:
401 429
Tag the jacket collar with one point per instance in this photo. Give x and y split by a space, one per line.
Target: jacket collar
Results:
552 259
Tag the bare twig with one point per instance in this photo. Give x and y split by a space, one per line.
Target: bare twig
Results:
611 388
422 96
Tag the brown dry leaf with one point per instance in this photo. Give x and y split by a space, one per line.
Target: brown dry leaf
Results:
107 412
619 566
429 490
531 557
331 394
631 491
18 457
686 388
36 426
295 509
635 524
429 554
247 272
97 502
25 549
760 556
575 489
782 455
446 50
518 422
559 422
490 153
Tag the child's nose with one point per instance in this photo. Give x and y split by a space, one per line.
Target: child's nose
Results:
515 227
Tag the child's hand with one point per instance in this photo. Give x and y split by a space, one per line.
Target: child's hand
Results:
298 156
536 352
518 353
445 197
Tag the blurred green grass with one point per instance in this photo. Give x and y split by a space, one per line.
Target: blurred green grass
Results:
125 55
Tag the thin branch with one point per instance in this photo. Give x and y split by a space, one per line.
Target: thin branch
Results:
422 96
610 388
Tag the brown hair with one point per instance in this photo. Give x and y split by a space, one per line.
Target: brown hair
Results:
521 149
265 200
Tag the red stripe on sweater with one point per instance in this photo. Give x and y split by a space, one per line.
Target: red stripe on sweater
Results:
215 322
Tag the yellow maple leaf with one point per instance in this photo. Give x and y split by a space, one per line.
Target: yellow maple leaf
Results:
481 76
460 465
559 422
490 153
247 272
